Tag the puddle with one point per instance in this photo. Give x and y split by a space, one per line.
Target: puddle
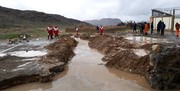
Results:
145 39
33 48
40 41
84 74
29 59
18 69
1 54
28 53
20 66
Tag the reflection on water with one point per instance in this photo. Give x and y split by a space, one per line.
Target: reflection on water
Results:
145 39
30 53
84 74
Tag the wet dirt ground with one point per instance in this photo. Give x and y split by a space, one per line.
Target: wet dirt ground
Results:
16 59
86 72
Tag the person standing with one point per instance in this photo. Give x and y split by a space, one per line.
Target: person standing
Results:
146 28
141 28
77 30
158 27
152 27
56 32
162 28
177 29
134 27
50 32
101 30
97 28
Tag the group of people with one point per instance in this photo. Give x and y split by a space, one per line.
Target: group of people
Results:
100 29
53 32
161 27
144 27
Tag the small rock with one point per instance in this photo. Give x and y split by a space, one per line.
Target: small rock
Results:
156 48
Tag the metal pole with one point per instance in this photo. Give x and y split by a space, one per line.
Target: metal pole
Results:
172 22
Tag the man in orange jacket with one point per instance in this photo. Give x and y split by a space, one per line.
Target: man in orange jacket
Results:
177 29
146 28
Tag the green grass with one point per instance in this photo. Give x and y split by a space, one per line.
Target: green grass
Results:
9 36
15 32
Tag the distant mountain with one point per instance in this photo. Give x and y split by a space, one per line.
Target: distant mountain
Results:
18 18
104 22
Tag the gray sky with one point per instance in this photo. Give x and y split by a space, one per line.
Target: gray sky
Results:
138 10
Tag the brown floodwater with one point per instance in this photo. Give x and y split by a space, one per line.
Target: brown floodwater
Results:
86 72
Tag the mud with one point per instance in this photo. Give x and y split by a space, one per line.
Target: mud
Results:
131 53
27 63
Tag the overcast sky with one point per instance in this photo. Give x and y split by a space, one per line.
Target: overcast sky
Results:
138 10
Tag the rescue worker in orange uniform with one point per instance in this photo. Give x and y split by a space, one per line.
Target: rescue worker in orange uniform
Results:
177 29
146 28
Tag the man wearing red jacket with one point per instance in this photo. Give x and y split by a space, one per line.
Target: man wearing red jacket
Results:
56 32
101 30
50 32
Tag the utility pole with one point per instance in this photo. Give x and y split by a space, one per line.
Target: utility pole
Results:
172 22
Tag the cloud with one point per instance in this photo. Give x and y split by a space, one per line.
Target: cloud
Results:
138 10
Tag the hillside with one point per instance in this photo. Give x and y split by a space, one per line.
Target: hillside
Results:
105 21
18 18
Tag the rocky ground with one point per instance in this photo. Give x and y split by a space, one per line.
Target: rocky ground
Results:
157 61
18 70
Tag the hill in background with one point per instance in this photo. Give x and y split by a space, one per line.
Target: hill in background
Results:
105 22
10 18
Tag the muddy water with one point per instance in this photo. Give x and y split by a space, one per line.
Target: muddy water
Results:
85 73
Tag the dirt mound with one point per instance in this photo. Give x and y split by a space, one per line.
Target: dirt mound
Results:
105 42
87 36
128 61
60 52
17 72
118 50
166 71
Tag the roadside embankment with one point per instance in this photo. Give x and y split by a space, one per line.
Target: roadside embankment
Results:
157 62
19 70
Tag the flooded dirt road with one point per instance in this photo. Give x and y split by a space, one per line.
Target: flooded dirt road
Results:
85 73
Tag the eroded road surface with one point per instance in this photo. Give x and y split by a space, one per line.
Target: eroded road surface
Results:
85 73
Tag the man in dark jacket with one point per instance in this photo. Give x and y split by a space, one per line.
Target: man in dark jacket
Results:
162 27
141 28
158 27
152 27
134 27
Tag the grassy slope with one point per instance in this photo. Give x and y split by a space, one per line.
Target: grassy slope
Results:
14 22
